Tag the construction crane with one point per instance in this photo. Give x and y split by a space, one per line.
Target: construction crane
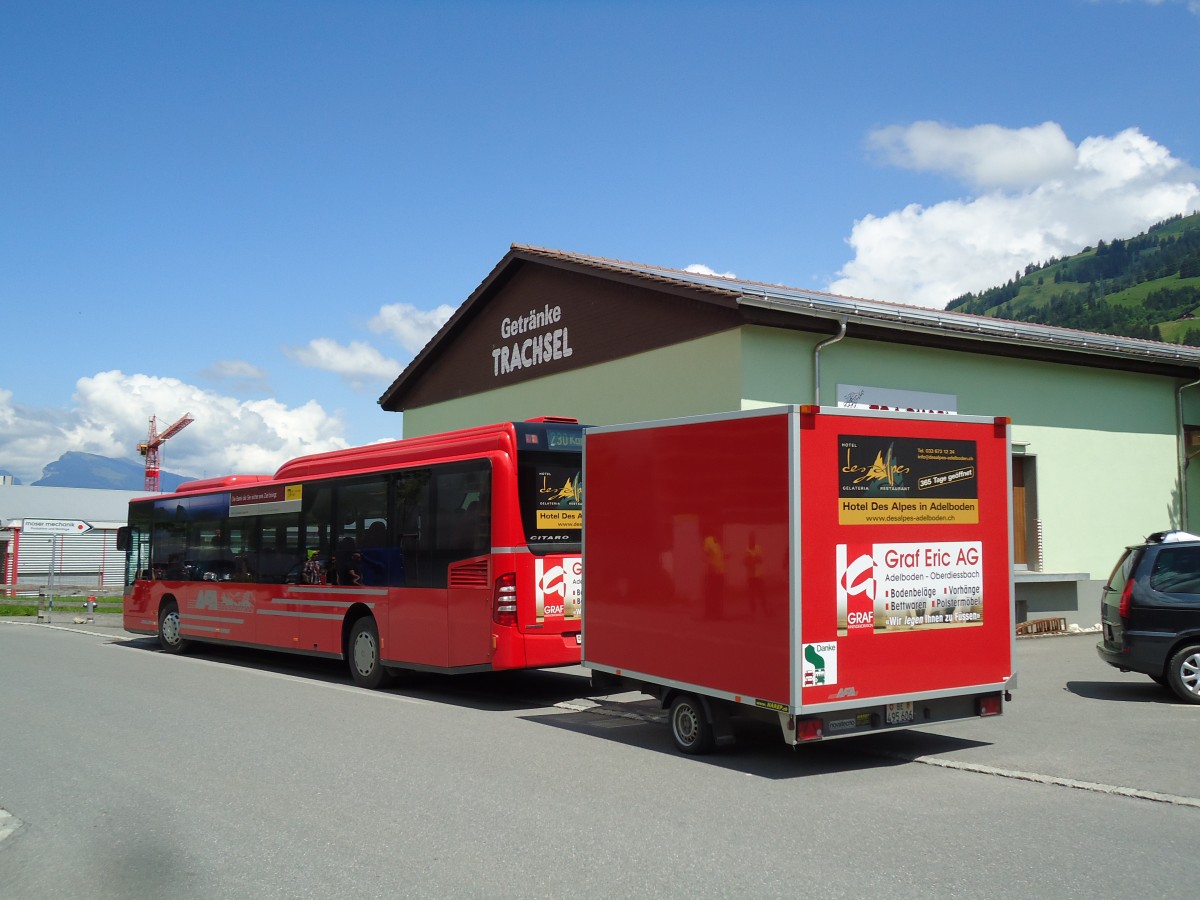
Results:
149 449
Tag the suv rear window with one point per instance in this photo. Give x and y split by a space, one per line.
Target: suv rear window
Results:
1176 570
1122 570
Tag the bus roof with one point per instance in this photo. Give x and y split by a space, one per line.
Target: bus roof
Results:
464 442
225 481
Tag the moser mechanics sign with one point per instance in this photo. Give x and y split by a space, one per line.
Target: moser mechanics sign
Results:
906 481
887 588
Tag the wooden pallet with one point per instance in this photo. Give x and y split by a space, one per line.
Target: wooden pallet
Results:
1042 626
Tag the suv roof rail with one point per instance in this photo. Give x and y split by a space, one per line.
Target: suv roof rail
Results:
1171 537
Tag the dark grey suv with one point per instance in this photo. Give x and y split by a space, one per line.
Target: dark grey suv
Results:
1150 612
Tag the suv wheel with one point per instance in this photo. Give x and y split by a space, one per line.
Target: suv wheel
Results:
1183 673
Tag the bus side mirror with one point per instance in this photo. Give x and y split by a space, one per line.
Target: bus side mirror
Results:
123 538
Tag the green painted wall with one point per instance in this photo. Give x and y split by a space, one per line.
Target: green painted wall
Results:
1193 495
686 379
777 366
1104 442
1191 416
1098 491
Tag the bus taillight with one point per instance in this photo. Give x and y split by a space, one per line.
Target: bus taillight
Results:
504 603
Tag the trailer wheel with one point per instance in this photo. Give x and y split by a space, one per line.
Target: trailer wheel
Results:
690 728
362 652
169 637
1183 673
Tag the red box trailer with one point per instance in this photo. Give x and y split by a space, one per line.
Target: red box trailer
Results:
839 571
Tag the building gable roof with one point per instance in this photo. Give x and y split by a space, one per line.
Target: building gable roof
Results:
727 302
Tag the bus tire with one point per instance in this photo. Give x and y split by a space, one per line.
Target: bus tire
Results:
169 637
363 655
690 727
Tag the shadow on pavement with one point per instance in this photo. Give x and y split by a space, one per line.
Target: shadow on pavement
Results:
1123 691
635 721
492 691
760 749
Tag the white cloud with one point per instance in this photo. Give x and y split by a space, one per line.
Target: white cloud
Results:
1041 197
701 269
240 375
410 326
985 156
358 364
361 365
111 414
27 435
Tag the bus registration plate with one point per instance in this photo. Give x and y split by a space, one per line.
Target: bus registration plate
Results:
899 713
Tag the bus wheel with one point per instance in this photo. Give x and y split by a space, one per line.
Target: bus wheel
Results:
169 637
690 728
362 651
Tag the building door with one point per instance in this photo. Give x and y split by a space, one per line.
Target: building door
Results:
1020 529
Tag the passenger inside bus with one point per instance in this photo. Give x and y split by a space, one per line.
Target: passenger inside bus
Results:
376 557
314 569
376 535
241 569
348 563
353 572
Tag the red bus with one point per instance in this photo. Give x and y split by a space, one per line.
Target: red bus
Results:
456 552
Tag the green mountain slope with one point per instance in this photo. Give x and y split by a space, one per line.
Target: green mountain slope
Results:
1145 287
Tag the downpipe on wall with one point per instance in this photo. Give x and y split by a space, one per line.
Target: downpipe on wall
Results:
1184 459
841 333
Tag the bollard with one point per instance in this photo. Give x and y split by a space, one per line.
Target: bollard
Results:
41 612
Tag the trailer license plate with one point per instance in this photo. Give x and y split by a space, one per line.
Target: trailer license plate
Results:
899 713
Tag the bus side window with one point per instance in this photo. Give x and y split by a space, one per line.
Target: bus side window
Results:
410 521
463 519
361 531
278 547
348 563
168 549
317 539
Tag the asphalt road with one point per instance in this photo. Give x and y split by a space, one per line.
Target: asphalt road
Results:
131 773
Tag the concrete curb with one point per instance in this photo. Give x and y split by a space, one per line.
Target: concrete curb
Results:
106 625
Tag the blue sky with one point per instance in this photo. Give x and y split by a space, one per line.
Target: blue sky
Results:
256 212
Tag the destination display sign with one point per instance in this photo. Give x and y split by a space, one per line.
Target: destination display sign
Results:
258 501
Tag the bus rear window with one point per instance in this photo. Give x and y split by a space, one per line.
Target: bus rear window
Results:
550 485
